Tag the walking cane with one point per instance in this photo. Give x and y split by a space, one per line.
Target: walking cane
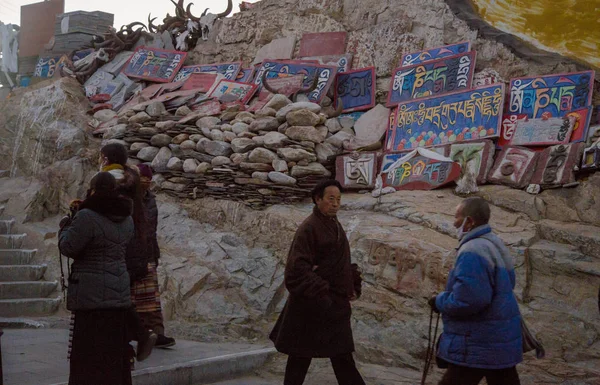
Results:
430 346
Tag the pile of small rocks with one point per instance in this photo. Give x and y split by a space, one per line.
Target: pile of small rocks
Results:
274 155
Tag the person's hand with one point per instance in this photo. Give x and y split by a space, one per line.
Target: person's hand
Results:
431 303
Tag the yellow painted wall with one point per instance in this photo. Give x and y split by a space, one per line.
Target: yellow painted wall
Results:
567 27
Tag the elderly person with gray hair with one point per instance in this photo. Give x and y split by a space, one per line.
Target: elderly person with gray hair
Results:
482 322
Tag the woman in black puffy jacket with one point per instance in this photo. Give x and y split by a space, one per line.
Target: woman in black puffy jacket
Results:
98 295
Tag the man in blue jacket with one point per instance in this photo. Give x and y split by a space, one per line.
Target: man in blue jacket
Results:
482 322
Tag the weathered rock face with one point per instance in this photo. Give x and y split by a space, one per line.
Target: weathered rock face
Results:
379 32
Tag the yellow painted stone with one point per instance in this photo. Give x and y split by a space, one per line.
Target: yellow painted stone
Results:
568 27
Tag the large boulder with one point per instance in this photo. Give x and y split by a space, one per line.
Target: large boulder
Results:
312 169
262 155
156 109
281 178
302 118
325 152
241 145
146 153
312 107
208 122
140 117
339 139
160 161
137 146
307 133
274 140
240 127
190 165
175 164
296 155
160 140
267 123
277 102
217 148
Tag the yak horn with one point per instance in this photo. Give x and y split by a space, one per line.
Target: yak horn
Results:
227 11
265 84
189 12
205 11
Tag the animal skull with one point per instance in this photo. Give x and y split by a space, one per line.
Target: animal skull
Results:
206 24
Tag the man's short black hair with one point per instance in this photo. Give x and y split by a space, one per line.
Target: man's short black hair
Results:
116 153
319 190
476 208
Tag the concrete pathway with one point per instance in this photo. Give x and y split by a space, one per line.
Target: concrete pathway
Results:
39 357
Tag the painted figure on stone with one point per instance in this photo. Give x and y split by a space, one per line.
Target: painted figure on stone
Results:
322 281
482 322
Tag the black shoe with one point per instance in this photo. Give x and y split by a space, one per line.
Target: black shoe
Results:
164 342
144 348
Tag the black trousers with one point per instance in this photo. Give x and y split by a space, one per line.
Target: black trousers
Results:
344 368
460 375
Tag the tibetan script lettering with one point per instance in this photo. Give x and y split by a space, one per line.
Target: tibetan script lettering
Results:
156 65
437 77
551 95
458 117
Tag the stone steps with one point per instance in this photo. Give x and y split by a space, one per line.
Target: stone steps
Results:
16 257
26 289
29 307
6 225
12 241
586 238
16 273
23 292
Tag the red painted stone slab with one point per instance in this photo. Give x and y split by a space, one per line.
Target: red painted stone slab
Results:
209 108
357 170
284 84
201 82
555 165
543 132
242 91
321 44
474 157
514 167
413 171
156 65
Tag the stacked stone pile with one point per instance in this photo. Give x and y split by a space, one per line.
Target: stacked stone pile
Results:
274 155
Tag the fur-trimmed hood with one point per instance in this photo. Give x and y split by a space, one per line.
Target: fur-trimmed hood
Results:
117 209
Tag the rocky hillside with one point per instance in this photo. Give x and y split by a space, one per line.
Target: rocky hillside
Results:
379 33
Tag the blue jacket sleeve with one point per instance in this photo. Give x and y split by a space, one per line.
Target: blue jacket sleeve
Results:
471 289
75 236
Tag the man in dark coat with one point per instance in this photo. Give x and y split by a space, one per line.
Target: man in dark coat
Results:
315 322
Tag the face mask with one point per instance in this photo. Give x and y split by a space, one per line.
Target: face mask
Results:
460 232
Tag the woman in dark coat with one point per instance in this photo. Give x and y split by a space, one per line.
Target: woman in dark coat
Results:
113 159
321 281
145 292
98 294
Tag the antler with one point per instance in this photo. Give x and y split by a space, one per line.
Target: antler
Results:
308 89
227 11
151 27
